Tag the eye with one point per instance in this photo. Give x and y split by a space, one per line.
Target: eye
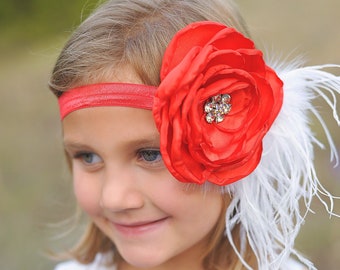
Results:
150 155
88 158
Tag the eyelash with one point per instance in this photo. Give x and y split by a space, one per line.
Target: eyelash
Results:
84 155
145 154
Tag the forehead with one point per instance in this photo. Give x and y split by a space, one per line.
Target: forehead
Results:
109 125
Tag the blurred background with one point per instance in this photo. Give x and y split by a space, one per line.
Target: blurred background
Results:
36 202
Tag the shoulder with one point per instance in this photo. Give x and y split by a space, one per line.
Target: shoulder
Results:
98 264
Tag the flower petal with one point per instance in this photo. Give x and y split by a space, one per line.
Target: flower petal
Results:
203 60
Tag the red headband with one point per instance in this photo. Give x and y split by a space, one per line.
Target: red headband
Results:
107 94
216 101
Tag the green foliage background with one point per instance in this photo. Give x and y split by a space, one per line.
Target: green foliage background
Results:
35 187
32 21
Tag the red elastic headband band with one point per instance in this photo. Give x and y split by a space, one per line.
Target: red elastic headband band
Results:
107 94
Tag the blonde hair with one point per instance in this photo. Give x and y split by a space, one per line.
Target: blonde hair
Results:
135 33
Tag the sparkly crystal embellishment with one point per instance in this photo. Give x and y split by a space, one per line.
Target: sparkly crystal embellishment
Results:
217 107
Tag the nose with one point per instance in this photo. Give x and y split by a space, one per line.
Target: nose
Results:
120 190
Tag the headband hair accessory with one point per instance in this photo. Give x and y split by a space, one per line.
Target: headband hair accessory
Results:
224 115
106 94
216 101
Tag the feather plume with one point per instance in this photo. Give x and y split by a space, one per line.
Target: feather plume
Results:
267 202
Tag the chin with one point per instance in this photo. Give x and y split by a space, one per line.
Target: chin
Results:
144 261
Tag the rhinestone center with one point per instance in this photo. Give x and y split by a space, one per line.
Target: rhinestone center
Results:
217 107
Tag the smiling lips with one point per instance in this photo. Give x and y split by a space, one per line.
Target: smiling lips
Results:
138 228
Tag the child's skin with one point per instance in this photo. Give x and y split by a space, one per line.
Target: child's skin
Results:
120 181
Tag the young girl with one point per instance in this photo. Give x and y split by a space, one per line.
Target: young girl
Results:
187 149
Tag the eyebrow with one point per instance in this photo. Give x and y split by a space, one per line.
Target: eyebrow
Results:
147 141
70 145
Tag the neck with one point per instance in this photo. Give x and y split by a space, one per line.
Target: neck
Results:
189 259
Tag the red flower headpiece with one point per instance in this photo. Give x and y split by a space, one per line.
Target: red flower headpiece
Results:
216 101
204 138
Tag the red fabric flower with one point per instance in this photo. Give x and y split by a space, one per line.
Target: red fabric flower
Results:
203 60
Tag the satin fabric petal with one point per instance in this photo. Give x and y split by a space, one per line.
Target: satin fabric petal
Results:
203 60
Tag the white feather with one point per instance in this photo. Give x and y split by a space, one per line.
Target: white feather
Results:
267 202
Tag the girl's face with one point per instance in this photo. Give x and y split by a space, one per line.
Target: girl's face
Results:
123 185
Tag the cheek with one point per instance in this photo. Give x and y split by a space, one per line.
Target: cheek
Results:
203 209
188 202
87 192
